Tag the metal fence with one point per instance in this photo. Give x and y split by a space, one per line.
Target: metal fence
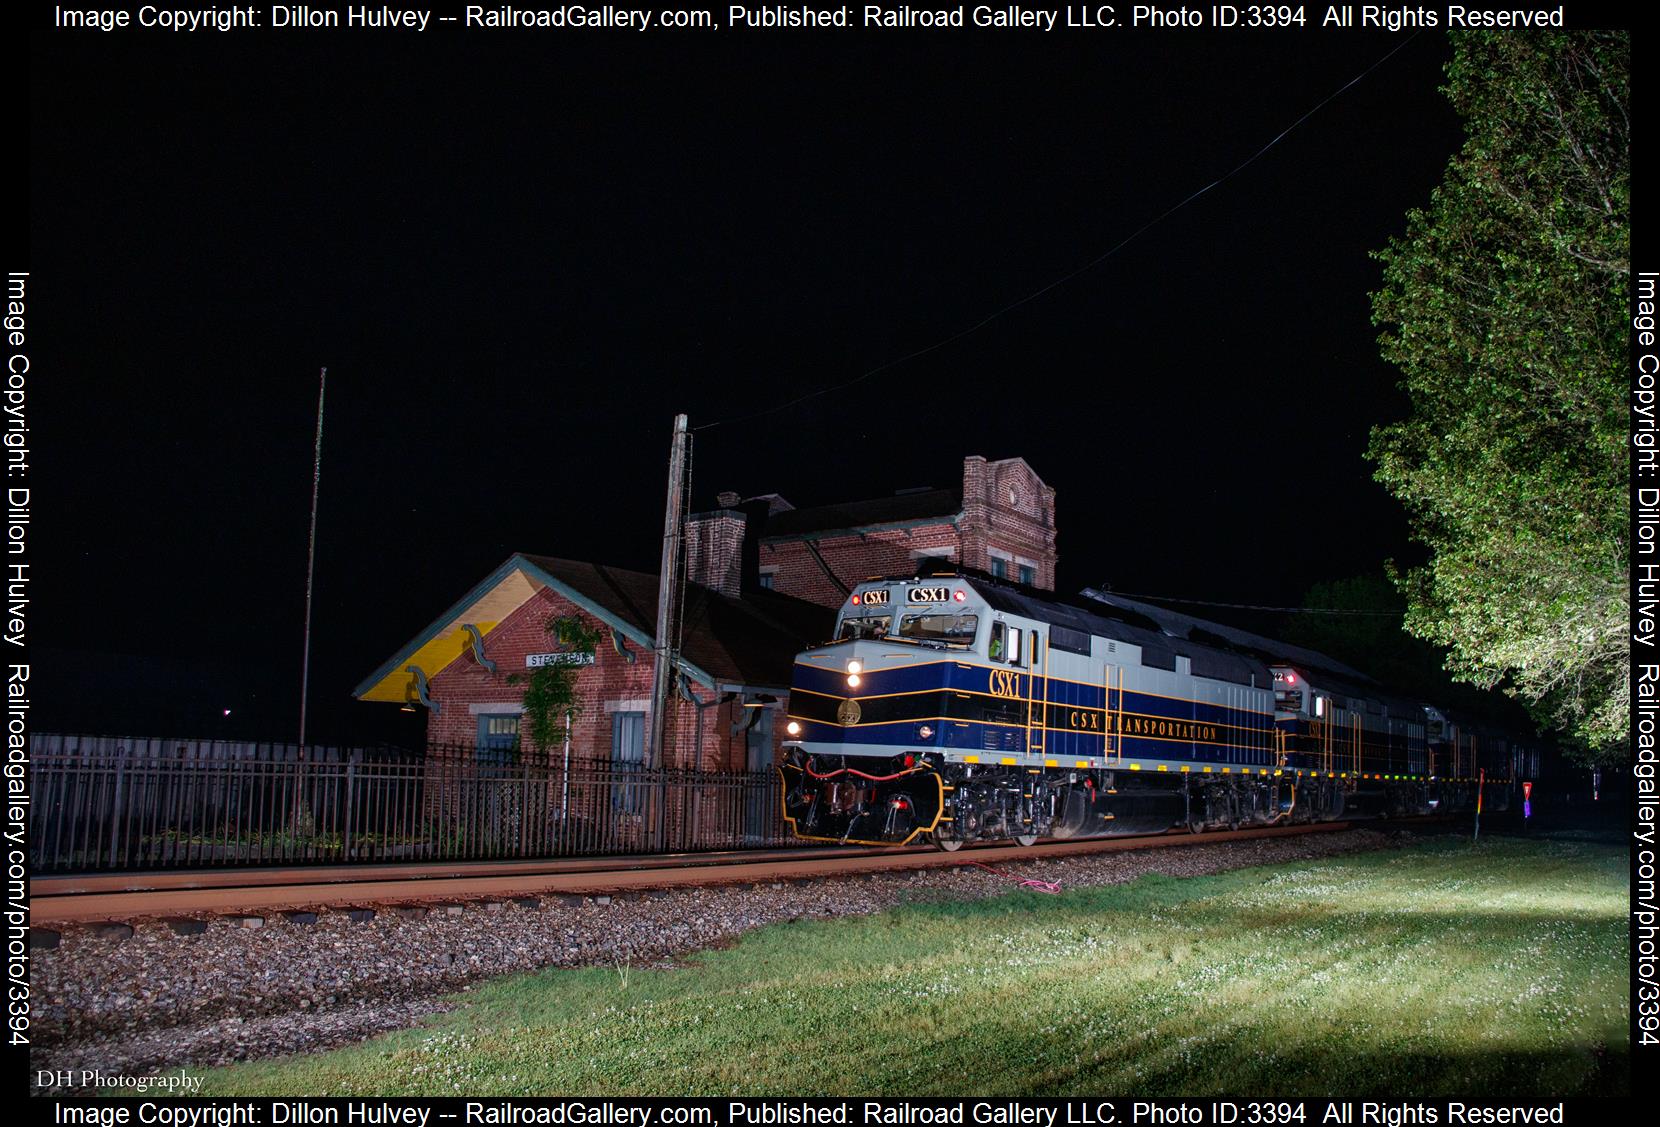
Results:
102 804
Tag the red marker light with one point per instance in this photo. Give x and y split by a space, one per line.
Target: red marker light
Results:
855 600
961 596
1527 790
1291 678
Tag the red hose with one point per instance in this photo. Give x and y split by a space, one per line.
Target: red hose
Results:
850 771
1051 887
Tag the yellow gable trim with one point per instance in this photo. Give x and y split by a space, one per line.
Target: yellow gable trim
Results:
451 641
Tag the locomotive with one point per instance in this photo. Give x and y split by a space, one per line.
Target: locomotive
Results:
959 707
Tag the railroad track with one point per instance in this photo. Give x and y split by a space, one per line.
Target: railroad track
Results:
55 901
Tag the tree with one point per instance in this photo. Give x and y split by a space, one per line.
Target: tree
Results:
1503 307
1375 642
550 690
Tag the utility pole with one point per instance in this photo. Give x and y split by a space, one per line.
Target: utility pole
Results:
311 551
667 585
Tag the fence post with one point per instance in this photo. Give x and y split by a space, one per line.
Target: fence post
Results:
524 806
116 819
346 831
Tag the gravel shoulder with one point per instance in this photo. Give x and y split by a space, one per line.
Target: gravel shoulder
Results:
157 1001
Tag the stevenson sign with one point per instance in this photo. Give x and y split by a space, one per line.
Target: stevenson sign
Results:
536 661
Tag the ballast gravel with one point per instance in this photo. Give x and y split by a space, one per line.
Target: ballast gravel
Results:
157 1001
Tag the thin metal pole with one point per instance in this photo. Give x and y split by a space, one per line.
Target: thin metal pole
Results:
565 779
1481 785
311 551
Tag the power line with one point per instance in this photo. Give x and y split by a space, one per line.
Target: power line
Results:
1251 606
1065 278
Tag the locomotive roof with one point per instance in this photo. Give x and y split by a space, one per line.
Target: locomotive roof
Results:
1217 651
1331 673
1270 649
1159 648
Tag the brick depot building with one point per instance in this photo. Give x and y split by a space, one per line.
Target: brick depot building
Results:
764 582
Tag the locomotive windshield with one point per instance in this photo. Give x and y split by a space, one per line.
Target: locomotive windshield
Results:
870 626
952 629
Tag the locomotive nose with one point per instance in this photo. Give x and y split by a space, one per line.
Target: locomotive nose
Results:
832 800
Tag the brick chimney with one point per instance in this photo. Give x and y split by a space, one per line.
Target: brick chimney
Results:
715 548
976 520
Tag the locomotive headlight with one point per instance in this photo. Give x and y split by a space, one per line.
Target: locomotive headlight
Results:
853 680
925 733
855 666
793 728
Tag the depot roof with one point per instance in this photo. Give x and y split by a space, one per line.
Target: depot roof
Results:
743 643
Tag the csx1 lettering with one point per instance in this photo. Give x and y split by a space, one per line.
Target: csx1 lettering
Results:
929 595
1004 683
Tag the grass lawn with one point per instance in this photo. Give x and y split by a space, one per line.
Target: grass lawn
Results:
1439 969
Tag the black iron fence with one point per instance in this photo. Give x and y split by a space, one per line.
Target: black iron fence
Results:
102 804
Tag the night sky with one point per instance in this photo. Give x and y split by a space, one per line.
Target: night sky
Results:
520 254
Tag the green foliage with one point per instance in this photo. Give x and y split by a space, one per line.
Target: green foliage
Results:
1503 307
550 691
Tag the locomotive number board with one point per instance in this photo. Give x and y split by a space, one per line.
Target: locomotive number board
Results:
928 595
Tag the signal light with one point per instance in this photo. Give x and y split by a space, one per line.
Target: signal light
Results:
1527 789
961 596
856 600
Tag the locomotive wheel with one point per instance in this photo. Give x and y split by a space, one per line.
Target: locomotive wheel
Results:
948 844
1025 841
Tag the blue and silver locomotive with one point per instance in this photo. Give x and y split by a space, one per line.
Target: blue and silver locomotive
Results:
957 708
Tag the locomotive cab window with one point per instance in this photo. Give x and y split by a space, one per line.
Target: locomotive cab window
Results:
1005 644
871 626
952 629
